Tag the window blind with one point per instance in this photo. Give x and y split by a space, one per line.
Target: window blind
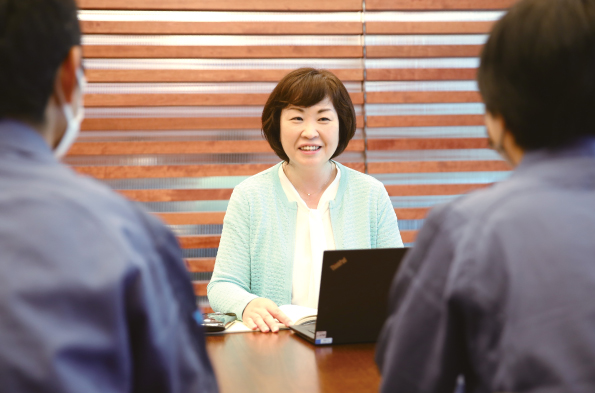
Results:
176 90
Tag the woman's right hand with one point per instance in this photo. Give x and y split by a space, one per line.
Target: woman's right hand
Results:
261 313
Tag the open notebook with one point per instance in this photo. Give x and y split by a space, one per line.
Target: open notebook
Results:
299 315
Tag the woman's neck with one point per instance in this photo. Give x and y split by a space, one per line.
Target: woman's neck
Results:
311 182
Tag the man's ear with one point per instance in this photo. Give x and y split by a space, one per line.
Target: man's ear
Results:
65 81
495 125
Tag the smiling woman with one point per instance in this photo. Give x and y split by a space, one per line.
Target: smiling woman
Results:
280 221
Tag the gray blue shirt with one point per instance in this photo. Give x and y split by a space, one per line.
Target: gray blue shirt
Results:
94 296
500 286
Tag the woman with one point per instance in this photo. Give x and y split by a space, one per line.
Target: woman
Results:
279 222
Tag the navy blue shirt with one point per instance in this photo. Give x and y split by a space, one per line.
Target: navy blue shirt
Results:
500 286
94 295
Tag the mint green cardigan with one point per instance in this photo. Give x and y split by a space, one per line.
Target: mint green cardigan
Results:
255 257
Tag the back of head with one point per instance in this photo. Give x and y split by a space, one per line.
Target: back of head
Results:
538 72
35 37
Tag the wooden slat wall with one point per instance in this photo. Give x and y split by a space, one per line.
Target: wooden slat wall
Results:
425 134
176 90
175 95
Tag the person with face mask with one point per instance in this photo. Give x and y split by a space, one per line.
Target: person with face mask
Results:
94 294
499 286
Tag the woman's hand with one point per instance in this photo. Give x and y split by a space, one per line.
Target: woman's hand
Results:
261 313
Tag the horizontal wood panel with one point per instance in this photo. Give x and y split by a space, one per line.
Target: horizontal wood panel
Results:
171 123
187 147
436 166
200 287
222 52
427 143
424 74
403 97
430 189
408 236
227 5
206 218
301 28
225 193
116 76
423 51
208 241
428 27
130 100
412 213
211 194
197 265
408 5
135 172
425 121
199 218
199 241
178 123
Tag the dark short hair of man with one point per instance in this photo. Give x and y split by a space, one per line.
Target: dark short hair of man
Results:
35 38
538 72
306 87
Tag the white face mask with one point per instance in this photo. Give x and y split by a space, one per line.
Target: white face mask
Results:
73 124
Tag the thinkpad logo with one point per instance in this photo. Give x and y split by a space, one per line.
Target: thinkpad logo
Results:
338 264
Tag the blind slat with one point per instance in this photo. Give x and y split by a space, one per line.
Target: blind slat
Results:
227 5
409 5
177 195
190 147
158 171
431 189
205 218
200 287
425 121
207 75
428 27
200 264
202 218
224 194
427 143
172 123
400 97
421 74
423 51
207 99
436 166
223 52
199 241
301 28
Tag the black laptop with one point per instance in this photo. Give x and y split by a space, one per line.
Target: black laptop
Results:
352 305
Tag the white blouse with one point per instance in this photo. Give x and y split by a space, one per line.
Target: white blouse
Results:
313 235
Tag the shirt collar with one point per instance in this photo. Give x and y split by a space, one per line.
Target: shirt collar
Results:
292 194
19 137
583 147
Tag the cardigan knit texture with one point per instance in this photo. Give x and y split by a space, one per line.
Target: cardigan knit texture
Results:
255 256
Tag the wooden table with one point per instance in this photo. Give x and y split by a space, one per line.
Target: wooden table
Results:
283 363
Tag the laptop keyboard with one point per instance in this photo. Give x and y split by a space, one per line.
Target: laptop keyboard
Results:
310 328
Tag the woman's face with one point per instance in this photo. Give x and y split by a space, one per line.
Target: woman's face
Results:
310 136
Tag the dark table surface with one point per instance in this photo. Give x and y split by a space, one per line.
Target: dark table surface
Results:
282 363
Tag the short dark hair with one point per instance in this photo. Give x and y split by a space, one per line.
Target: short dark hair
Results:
35 38
538 72
307 87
